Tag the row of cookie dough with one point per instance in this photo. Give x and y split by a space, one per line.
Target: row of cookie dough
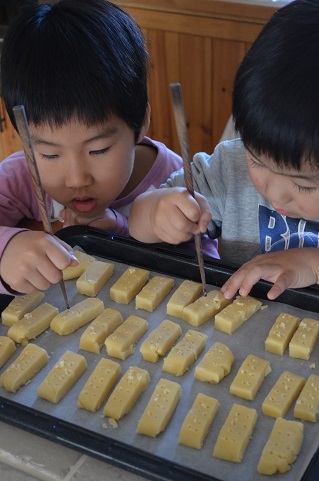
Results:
234 435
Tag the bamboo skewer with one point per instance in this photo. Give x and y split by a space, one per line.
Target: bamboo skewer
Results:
181 127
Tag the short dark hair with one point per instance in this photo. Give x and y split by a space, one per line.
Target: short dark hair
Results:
276 88
83 59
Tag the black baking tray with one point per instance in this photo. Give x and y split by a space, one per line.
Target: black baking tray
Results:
171 261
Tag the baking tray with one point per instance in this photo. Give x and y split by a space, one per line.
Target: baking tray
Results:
162 458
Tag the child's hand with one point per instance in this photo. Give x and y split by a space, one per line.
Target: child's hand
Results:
34 261
168 215
105 221
285 269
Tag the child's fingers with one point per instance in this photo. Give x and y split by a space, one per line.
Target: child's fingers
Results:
59 253
187 205
283 282
175 228
205 213
245 278
40 281
196 214
176 217
73 261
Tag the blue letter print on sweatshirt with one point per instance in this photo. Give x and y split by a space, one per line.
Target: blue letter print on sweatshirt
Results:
279 232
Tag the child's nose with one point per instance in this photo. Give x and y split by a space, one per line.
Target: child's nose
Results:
78 176
276 190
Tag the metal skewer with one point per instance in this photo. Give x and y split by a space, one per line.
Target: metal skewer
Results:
23 129
181 127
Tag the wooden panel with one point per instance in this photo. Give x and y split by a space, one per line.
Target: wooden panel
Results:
227 56
196 73
248 10
201 48
159 90
205 67
196 25
9 138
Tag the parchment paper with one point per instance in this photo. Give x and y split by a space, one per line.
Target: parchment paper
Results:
248 339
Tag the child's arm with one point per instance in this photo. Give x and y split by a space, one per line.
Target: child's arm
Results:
290 268
33 260
170 215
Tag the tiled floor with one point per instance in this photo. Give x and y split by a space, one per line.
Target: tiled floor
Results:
27 457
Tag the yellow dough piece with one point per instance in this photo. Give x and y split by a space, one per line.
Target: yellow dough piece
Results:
236 313
185 353
129 284
283 394
160 408
215 365
99 384
160 340
282 448
205 308
250 377
185 294
84 261
198 421
153 293
95 334
281 333
304 339
307 404
29 362
94 278
19 306
77 316
122 342
7 348
62 376
32 324
126 393
235 434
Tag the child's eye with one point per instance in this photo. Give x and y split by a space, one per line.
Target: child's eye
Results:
48 156
302 188
99 152
253 163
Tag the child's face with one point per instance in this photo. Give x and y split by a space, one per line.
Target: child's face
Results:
84 168
290 192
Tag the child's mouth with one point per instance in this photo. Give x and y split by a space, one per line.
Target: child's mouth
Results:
84 205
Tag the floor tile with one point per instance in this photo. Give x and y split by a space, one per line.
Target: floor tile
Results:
7 473
41 453
93 469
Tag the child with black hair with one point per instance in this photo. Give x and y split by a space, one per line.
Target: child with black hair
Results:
80 69
260 193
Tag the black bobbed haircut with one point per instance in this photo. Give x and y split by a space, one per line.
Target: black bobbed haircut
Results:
82 59
276 88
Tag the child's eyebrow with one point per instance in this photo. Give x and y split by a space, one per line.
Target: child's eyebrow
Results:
108 132
313 177
103 134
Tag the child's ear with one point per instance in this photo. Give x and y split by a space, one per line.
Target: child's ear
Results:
146 123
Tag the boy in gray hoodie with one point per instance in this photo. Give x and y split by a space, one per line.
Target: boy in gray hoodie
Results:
260 192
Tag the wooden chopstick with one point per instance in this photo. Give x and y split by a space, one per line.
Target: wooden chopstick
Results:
178 107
